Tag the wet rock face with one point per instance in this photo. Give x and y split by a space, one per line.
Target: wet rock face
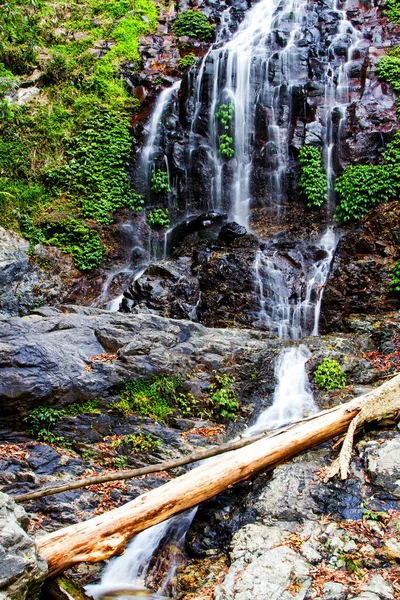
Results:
360 275
21 569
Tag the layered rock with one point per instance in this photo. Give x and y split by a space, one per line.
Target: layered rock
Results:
359 280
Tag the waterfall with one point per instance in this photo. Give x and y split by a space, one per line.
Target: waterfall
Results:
290 298
293 399
129 571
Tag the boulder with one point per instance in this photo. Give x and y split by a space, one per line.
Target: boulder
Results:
22 571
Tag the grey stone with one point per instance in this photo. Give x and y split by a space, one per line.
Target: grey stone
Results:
334 591
21 569
377 585
383 464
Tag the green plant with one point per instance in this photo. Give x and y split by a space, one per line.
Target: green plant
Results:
155 397
222 399
226 146
362 187
388 68
312 179
187 61
371 515
193 24
139 442
72 236
122 407
158 218
81 408
395 278
224 115
119 462
329 375
159 182
41 420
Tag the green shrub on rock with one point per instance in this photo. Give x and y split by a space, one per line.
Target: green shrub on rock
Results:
158 218
329 375
312 179
187 61
362 187
193 24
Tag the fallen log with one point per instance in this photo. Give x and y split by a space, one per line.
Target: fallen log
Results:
129 474
106 535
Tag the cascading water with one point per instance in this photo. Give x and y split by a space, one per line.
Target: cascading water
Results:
291 307
129 572
293 399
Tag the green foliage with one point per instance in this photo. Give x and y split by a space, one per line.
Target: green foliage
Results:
41 420
222 399
312 179
362 187
187 61
119 462
139 442
388 68
19 33
370 515
67 153
329 375
158 218
224 115
392 11
226 148
193 24
81 408
395 278
95 169
159 182
71 236
155 397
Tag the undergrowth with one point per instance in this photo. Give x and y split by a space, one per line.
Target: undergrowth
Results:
64 156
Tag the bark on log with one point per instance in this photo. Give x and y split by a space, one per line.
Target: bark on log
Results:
106 535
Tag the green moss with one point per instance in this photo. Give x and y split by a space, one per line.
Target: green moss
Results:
187 61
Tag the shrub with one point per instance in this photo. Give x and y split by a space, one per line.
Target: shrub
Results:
226 148
95 170
329 375
193 24
70 235
224 115
312 178
222 400
187 61
158 218
388 68
87 407
139 442
159 182
41 420
362 187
